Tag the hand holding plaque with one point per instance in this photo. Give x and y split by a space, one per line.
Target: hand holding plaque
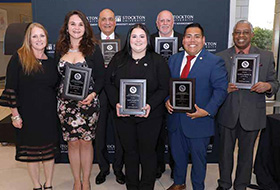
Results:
132 96
76 82
245 70
182 94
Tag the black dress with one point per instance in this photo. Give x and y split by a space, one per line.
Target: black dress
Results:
34 96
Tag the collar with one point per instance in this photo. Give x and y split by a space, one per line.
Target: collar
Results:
186 54
172 34
103 36
246 50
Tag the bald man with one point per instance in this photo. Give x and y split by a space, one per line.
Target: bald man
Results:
165 24
107 24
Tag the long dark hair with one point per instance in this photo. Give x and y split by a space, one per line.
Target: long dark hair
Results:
88 41
127 47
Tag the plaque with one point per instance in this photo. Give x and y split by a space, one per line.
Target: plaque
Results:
182 94
166 46
132 96
109 48
245 70
76 82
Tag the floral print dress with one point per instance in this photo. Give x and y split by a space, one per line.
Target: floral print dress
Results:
78 121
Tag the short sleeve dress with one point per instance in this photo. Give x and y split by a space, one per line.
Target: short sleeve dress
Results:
79 121
34 96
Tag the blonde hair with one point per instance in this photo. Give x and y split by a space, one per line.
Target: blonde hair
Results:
26 55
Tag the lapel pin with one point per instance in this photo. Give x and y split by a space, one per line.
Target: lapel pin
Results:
145 64
200 58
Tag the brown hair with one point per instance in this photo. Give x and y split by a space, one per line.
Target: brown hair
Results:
88 41
26 55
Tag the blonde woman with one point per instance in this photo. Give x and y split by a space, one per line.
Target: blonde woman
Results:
30 92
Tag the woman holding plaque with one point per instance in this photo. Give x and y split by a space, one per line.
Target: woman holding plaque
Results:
30 92
78 47
139 133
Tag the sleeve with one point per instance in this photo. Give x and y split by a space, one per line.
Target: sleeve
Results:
271 77
163 76
219 84
9 95
110 87
98 73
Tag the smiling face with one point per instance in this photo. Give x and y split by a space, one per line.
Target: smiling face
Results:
107 22
193 40
76 27
165 23
242 35
38 39
138 41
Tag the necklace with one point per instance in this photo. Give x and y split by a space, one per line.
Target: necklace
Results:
73 50
137 61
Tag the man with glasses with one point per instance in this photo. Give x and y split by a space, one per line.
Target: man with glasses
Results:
243 113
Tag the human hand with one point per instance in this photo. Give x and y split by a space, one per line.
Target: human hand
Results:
168 106
199 113
261 87
118 106
147 109
88 99
17 121
231 88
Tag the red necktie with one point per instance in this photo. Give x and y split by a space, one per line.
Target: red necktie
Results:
187 67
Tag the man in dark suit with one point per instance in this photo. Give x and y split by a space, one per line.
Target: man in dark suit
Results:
165 23
189 133
243 113
107 23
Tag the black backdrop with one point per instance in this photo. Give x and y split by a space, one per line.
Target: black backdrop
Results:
212 15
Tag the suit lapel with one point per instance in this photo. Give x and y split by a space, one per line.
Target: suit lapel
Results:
197 64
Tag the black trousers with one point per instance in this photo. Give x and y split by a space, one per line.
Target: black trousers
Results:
105 119
139 142
246 142
161 147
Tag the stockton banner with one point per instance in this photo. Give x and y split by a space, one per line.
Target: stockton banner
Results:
212 15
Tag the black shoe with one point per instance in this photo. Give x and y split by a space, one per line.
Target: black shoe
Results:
221 188
101 177
120 177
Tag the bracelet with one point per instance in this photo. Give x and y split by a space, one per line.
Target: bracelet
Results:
16 118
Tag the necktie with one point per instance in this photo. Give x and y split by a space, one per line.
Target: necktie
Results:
187 67
241 52
107 38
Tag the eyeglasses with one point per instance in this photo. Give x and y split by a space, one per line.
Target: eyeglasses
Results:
245 33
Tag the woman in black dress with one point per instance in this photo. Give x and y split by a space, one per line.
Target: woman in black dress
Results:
30 92
139 133
77 46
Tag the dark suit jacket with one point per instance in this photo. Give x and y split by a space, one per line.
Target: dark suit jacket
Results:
176 34
96 63
210 91
151 68
248 106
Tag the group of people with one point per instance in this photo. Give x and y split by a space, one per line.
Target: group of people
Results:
34 92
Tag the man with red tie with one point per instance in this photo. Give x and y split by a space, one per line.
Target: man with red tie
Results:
189 133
